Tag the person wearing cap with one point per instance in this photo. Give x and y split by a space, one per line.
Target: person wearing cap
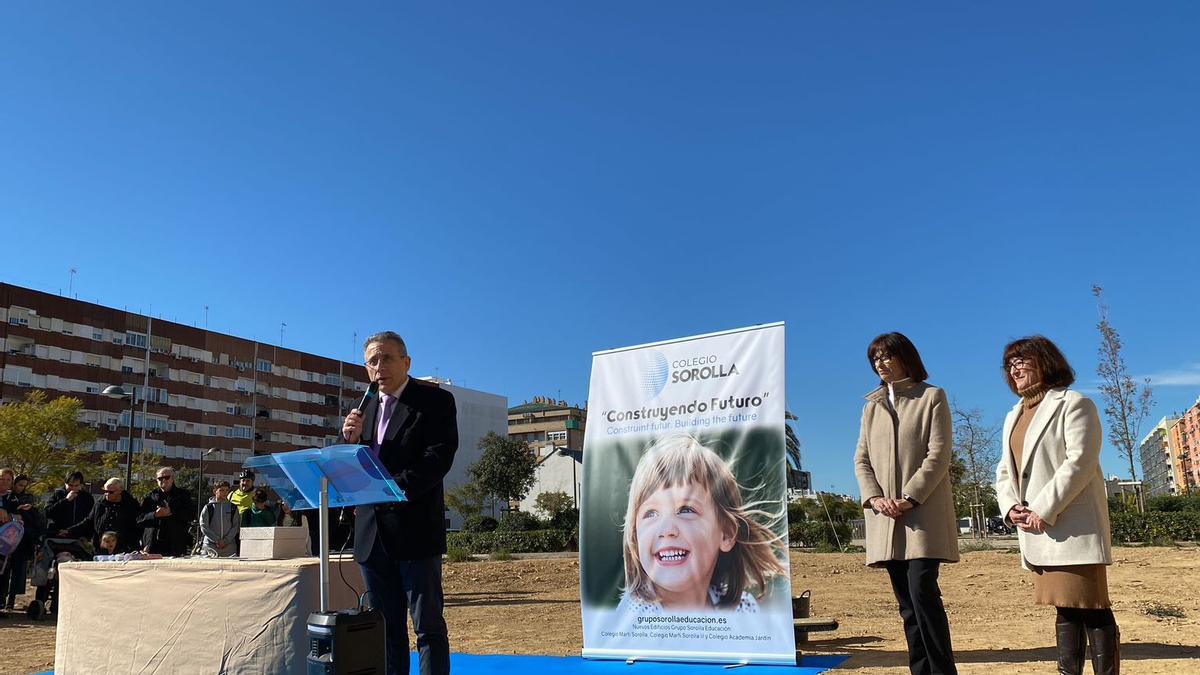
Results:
116 512
243 496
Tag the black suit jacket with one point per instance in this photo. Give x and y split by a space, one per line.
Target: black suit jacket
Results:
417 450
170 535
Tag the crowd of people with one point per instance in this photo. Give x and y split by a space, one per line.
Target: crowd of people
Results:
115 522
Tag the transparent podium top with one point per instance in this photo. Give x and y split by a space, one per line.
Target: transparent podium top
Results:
355 476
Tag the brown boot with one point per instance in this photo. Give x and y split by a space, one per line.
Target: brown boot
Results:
1071 640
1106 649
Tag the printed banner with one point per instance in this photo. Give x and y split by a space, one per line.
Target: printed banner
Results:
683 530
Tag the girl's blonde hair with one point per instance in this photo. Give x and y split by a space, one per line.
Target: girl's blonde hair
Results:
749 565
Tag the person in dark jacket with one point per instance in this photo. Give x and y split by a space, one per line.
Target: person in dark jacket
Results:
260 513
165 515
68 504
117 511
8 512
18 563
412 427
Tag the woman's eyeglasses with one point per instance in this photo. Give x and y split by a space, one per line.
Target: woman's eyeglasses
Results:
1019 362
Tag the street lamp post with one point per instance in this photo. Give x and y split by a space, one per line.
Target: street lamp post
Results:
200 482
197 534
568 452
115 391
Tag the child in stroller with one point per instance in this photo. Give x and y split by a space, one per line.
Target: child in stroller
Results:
45 571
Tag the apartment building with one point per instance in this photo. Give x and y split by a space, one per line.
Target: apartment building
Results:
1185 436
554 431
195 389
1158 454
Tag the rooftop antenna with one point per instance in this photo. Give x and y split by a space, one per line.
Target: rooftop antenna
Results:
71 282
282 325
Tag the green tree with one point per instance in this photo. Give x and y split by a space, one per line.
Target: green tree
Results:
559 508
186 478
506 468
43 438
145 468
553 503
792 451
1125 406
467 500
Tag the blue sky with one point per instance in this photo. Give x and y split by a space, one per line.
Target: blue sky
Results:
516 185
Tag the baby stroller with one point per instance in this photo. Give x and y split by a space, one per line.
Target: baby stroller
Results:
45 572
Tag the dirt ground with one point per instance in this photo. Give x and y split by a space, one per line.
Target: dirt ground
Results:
531 606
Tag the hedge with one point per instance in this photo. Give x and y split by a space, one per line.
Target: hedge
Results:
1155 526
530 541
812 533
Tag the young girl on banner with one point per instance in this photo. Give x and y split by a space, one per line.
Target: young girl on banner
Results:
690 543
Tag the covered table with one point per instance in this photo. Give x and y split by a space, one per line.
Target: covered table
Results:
193 615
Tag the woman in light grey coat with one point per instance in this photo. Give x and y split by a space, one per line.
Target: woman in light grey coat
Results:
903 468
1049 485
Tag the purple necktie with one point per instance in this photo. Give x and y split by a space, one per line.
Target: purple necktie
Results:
386 404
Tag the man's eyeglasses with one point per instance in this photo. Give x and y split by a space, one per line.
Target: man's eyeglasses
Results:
111 492
163 477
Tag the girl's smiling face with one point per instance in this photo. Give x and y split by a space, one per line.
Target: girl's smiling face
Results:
679 536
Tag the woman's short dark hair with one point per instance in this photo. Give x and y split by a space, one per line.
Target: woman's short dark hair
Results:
1051 364
74 475
901 348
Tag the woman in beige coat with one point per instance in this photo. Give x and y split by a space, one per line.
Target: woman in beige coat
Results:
903 469
1049 485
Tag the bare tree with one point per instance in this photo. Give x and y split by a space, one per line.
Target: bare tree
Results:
977 449
1125 406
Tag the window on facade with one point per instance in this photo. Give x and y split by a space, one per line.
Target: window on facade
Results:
135 339
264 366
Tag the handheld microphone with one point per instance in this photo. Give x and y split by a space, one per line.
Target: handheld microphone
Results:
370 393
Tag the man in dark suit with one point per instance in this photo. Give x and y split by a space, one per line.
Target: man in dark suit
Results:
412 427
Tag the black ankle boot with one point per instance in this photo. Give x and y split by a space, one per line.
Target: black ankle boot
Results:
1071 640
1106 649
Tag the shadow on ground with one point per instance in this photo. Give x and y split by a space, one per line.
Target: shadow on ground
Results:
1137 651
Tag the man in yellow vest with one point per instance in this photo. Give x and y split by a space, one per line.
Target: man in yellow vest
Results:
243 497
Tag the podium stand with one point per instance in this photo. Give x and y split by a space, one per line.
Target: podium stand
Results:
337 476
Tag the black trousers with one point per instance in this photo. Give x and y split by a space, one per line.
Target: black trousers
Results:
400 587
926 628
